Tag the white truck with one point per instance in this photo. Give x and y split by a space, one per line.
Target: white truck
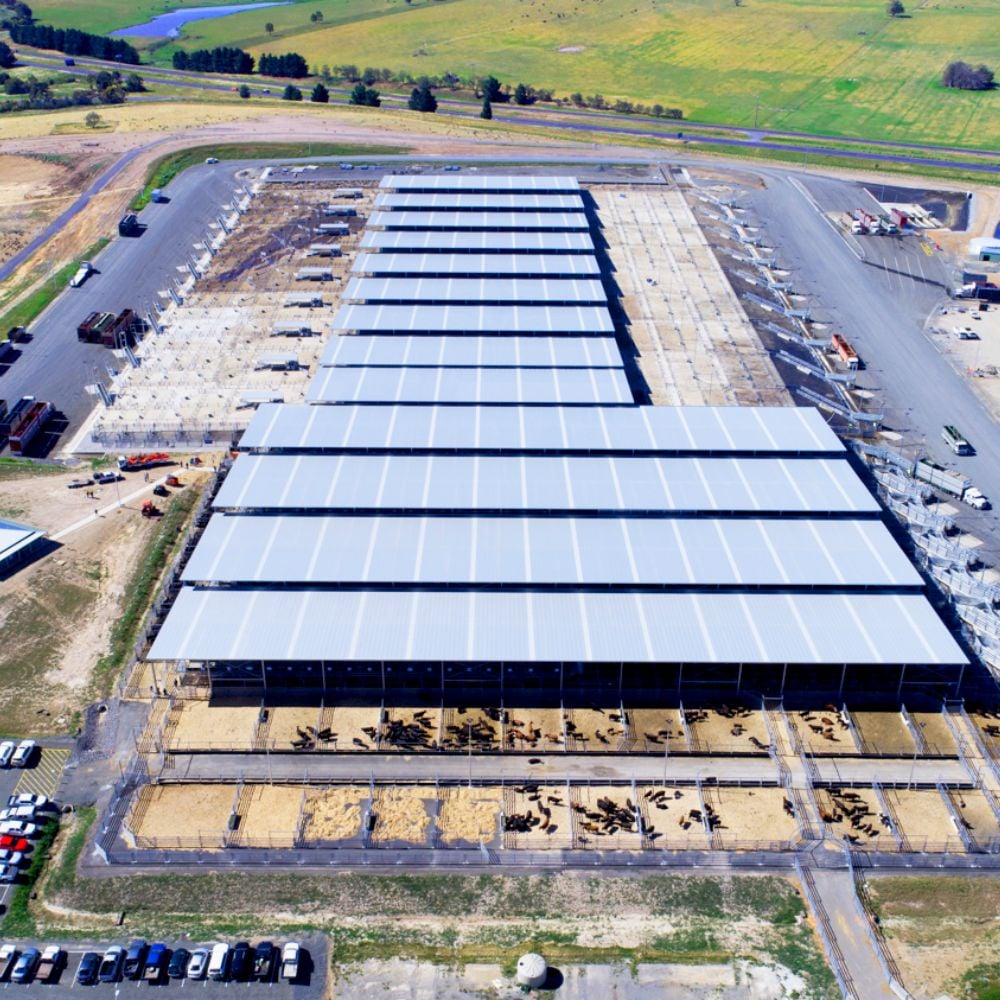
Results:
952 483
83 273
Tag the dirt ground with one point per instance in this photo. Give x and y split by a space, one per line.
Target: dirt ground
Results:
269 815
199 725
479 727
353 728
402 815
656 729
884 732
976 814
935 731
530 802
865 829
987 725
924 818
288 725
668 813
333 814
410 729
594 729
56 614
184 815
822 731
534 729
752 815
590 824
469 816
728 728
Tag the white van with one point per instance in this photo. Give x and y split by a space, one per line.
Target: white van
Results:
218 964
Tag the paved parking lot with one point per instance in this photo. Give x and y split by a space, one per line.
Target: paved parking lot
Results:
310 985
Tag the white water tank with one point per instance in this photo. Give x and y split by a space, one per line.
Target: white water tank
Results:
531 970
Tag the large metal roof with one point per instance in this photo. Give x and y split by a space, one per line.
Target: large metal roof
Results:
511 242
14 537
456 265
473 319
476 352
499 386
474 290
486 221
541 483
454 181
663 430
479 202
531 551
440 626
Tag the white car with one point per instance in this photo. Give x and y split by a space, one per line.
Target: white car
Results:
6 752
290 960
198 965
10 857
28 799
211 159
17 828
17 812
23 754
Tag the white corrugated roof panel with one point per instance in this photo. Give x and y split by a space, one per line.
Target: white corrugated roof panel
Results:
455 181
486 221
477 202
560 551
498 386
476 352
473 264
473 319
664 430
545 483
473 290
441 626
509 242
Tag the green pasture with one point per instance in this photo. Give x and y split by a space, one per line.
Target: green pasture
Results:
836 67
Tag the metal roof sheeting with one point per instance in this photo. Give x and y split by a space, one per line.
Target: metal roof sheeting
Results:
512 242
477 352
454 265
508 551
512 483
629 430
436 626
488 221
473 319
499 290
454 181
508 386
479 202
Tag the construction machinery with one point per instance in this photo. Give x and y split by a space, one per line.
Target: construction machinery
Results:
135 463
149 509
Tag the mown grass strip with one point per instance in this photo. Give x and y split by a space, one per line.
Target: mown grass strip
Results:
165 169
141 590
32 306
18 921
19 468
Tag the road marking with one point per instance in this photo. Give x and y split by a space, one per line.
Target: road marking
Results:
44 778
926 248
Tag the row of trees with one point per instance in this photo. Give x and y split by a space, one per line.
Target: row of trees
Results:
598 103
365 96
291 64
319 95
73 42
104 88
961 76
219 60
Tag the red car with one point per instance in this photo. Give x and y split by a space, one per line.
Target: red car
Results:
9 843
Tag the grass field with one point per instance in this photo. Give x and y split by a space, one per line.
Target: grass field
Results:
829 66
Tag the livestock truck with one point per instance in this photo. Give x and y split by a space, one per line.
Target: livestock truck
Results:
952 483
24 431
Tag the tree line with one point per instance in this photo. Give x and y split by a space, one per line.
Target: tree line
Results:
226 59
72 42
961 76
103 88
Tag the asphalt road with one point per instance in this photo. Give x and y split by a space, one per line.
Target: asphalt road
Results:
883 311
131 271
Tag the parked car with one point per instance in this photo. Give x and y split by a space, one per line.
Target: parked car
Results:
17 812
9 842
8 956
218 964
178 966
18 828
290 956
6 752
263 962
111 964
8 857
28 799
25 966
135 959
241 964
89 967
24 753
8 873
156 963
103 478
211 159
198 965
